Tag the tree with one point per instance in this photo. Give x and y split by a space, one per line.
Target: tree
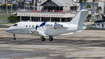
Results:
80 1
11 5
5 5
13 18
88 6
89 17
93 6
99 8
98 16
24 3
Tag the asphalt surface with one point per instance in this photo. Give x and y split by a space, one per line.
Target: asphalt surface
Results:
88 44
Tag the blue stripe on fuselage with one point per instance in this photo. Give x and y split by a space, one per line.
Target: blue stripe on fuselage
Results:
44 23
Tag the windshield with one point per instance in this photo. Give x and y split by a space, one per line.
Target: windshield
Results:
15 25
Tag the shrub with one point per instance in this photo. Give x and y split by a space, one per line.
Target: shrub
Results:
13 18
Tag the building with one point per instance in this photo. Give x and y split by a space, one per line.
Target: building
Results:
64 5
51 10
96 4
102 4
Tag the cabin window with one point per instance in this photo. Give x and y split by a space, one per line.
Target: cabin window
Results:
26 25
29 25
15 25
32 26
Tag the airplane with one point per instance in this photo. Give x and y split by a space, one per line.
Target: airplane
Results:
50 29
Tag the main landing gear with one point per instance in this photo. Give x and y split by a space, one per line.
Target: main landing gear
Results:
14 37
50 38
42 38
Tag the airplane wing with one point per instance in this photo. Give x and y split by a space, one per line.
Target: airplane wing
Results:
63 34
38 33
67 33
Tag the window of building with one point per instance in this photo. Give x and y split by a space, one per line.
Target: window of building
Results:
35 18
66 19
45 19
55 19
25 18
29 25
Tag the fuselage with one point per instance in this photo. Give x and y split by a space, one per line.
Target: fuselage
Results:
46 28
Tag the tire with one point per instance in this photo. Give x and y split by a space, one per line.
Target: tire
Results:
50 38
43 39
14 38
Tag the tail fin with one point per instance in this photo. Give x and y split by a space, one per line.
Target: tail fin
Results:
80 17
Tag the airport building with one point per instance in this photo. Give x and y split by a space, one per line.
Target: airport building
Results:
51 10
96 4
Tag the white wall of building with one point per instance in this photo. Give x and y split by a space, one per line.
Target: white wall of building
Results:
102 6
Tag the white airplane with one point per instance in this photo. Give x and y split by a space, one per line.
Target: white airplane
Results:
50 29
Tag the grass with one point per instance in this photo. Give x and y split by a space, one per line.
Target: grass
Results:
4 26
4 17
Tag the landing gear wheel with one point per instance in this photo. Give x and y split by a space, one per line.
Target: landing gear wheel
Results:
14 37
50 38
55 27
43 39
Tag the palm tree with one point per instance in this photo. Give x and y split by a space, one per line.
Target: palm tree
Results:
5 5
17 2
98 17
99 8
80 1
33 2
89 17
24 3
11 5
88 6
93 6
20 1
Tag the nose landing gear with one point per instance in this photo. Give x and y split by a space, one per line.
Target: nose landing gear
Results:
14 37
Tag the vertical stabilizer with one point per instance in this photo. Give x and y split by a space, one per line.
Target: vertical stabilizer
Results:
80 17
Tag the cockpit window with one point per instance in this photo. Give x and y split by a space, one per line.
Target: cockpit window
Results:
15 25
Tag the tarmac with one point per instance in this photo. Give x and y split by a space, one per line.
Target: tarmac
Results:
88 44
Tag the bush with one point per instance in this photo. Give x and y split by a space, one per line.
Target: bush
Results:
13 19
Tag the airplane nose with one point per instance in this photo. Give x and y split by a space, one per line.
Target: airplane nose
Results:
8 30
